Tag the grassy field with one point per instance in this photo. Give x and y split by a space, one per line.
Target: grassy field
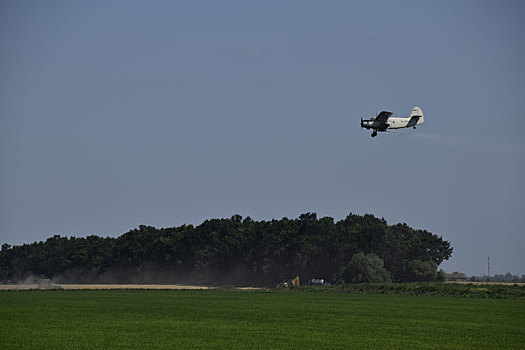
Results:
161 319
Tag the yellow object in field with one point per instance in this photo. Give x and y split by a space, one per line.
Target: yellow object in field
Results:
295 282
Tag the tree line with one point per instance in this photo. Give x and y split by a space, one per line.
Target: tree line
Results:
359 248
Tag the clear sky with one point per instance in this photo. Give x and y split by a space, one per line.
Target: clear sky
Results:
115 114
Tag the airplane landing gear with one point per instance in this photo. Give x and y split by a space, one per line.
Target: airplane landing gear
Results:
374 134
414 127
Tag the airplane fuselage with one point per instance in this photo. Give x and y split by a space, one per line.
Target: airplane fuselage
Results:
385 121
393 123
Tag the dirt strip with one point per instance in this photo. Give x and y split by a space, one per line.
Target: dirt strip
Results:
18 286
132 286
102 286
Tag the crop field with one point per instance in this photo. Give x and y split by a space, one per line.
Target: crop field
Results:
203 319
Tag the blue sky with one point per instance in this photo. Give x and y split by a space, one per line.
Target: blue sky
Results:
120 113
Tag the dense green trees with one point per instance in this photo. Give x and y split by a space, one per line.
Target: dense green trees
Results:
363 268
238 251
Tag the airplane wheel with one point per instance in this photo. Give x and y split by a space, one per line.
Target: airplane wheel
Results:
374 135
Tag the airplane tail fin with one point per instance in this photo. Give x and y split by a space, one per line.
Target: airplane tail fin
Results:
417 112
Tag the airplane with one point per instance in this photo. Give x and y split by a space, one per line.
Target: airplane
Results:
385 121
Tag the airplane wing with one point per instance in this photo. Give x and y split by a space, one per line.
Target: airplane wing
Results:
380 120
413 121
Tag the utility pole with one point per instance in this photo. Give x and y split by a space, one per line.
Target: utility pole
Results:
488 266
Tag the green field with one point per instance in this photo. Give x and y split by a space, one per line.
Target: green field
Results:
161 319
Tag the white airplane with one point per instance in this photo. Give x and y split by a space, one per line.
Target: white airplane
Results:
384 121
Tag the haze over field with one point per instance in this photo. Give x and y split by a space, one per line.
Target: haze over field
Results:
122 113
